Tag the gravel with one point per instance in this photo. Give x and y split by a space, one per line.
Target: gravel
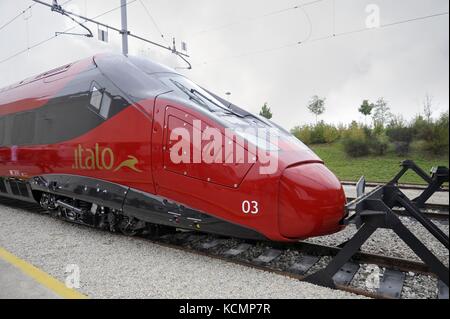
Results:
368 277
428 287
115 266
286 260
253 252
386 242
321 264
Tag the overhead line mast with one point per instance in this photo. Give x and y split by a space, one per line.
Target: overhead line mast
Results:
124 27
123 31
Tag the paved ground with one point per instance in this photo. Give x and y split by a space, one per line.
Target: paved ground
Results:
114 266
17 285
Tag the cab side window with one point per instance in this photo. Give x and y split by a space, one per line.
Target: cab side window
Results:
105 106
100 101
96 97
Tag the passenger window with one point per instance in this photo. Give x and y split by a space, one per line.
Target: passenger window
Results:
2 130
23 128
106 105
96 97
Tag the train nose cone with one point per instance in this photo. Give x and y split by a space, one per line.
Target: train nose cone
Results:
311 202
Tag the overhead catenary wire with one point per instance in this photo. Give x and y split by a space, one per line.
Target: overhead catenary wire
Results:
62 5
56 35
334 16
57 8
147 11
113 9
23 12
17 16
90 20
330 36
265 15
310 24
163 37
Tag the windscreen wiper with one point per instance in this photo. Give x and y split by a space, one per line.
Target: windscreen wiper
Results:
191 96
196 92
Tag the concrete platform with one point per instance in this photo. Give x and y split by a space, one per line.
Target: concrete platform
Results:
20 280
16 285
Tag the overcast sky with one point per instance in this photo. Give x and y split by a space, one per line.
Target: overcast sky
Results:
245 48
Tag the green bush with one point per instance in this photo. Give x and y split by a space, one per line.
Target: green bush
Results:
317 134
379 145
437 141
355 142
320 133
303 133
422 129
331 134
378 142
401 136
358 140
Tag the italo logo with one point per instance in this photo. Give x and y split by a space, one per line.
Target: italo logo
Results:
101 158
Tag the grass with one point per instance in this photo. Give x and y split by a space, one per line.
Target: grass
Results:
374 168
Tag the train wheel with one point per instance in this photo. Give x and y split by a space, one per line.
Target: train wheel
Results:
130 226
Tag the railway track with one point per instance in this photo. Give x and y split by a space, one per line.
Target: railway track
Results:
303 258
416 187
434 211
295 260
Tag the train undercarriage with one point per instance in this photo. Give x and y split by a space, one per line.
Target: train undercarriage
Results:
93 215
104 205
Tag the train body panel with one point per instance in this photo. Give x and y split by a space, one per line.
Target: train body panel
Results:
109 131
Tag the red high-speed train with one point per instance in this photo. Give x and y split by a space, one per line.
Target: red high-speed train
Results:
90 141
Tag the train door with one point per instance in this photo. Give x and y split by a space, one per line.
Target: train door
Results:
191 180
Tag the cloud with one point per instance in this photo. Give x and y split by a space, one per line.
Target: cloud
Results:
230 43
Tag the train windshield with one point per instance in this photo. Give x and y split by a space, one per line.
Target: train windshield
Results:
196 94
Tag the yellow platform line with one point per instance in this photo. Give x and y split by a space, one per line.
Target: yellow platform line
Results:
41 277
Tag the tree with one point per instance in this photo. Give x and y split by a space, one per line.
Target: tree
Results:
428 108
266 112
366 109
382 113
316 106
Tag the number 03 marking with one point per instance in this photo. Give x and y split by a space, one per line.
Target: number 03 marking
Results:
250 207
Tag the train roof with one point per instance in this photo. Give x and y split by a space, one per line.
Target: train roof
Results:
59 70
144 64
